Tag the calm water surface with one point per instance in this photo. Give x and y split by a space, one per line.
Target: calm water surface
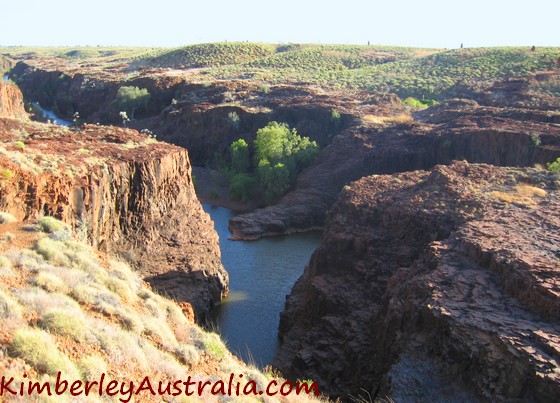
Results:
261 274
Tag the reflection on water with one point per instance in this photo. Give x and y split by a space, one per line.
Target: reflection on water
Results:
261 274
50 115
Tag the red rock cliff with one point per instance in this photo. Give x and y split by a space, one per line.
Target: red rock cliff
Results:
11 101
128 194
433 284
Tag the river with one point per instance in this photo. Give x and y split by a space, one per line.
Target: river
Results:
48 114
261 274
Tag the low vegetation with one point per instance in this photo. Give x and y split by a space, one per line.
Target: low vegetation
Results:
130 99
73 312
554 166
51 224
424 74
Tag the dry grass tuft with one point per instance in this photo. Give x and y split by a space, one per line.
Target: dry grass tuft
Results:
523 195
68 323
92 366
383 120
527 190
38 349
51 224
7 218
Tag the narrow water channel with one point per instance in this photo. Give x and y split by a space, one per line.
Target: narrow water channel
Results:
261 274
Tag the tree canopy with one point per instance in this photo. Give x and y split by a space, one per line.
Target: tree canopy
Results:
279 154
130 99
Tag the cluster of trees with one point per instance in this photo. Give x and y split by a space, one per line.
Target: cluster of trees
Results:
279 154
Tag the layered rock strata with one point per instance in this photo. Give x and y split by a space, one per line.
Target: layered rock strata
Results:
125 193
433 285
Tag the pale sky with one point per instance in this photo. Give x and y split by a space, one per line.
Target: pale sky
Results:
172 23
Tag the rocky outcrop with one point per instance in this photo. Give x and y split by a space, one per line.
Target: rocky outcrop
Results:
204 118
453 130
438 286
11 101
127 194
67 90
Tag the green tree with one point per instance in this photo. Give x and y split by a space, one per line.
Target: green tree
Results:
131 99
241 186
239 156
275 179
270 140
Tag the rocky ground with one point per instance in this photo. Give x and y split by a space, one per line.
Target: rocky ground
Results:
440 285
128 195
437 275
452 130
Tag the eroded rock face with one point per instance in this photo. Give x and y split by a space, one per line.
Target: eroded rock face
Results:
436 285
127 194
11 102
453 130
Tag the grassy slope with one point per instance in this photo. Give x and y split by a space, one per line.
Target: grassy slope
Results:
65 307
428 73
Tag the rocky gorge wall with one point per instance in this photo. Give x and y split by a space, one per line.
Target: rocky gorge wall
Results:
127 194
433 285
193 115
453 130
11 102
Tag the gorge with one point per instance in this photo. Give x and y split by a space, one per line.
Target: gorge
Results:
436 275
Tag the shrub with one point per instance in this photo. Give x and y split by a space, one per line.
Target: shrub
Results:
239 156
241 186
49 282
335 118
40 301
51 224
535 140
187 354
162 362
177 321
554 166
19 144
420 104
51 251
265 89
214 346
120 288
28 260
234 119
92 366
275 180
6 174
128 320
160 332
39 350
280 154
6 218
68 323
270 142
131 99
152 307
8 307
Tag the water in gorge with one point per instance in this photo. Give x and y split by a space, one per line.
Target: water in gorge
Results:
261 274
